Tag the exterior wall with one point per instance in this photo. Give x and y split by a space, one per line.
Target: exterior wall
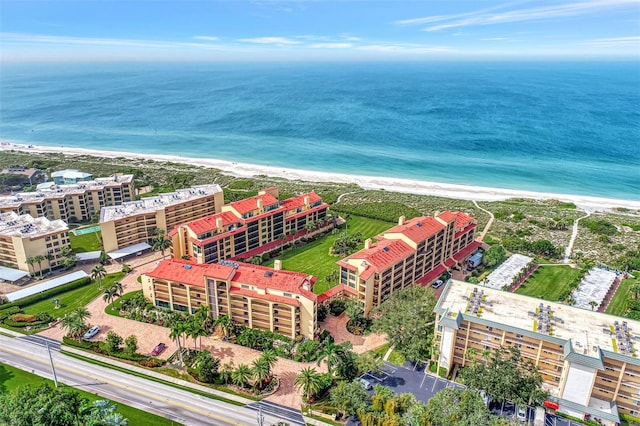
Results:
14 251
578 384
81 205
447 348
138 228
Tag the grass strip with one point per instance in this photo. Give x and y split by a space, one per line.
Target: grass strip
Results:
12 378
154 379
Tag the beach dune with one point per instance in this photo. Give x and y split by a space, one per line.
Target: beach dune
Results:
464 192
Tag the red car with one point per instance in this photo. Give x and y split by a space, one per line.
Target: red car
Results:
158 349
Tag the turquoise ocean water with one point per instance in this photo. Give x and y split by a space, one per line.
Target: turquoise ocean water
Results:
569 128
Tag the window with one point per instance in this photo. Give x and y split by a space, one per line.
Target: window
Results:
489 328
519 336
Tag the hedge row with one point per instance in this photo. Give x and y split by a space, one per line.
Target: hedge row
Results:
98 347
7 312
21 324
30 300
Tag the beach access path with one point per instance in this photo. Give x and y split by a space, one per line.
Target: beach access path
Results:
574 235
488 225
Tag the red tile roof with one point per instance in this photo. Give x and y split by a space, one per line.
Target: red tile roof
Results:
208 223
447 216
267 296
250 204
432 275
466 229
298 201
462 219
382 254
334 291
182 271
460 255
306 212
287 281
418 229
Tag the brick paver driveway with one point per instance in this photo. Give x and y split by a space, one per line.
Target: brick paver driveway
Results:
337 326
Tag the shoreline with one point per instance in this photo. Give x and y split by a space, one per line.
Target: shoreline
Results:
419 187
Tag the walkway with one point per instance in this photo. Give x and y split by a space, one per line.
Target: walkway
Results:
574 234
488 225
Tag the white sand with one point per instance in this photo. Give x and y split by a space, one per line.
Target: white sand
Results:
464 192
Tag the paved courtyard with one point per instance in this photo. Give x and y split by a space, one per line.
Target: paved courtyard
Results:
337 326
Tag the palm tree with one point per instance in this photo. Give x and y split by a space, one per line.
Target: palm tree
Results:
30 262
49 257
38 259
270 357
226 372
469 354
176 331
309 381
240 376
109 295
81 312
73 324
117 286
593 304
97 273
260 371
333 354
160 242
227 325
56 303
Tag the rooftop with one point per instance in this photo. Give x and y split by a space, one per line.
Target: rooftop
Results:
152 204
380 255
250 204
586 329
179 270
298 201
209 223
59 191
462 219
21 171
71 174
13 225
418 229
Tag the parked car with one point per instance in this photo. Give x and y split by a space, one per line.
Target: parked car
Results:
92 332
437 284
522 414
158 349
367 384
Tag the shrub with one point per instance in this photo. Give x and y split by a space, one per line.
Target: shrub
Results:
323 310
151 362
23 318
600 227
385 211
337 306
78 343
113 342
6 312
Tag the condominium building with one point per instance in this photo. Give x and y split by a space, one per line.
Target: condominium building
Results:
254 296
70 176
416 251
134 222
75 202
250 227
588 360
23 237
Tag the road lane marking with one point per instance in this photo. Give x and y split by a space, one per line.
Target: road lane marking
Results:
125 387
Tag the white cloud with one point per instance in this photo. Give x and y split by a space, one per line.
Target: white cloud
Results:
89 41
496 39
206 38
405 48
269 40
615 41
331 45
482 17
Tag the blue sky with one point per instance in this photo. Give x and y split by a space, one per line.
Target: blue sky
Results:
92 30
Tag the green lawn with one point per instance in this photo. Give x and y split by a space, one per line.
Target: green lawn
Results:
86 242
11 378
72 299
314 259
549 282
618 305
115 310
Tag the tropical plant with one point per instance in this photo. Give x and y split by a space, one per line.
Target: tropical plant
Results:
309 381
74 325
30 262
333 354
261 372
109 295
131 344
113 341
160 242
38 259
226 372
49 257
241 375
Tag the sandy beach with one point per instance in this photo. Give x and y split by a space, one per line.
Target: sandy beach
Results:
465 192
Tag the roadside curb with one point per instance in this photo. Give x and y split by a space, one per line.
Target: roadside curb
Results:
159 376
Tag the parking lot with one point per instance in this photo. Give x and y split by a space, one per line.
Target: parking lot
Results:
552 420
412 379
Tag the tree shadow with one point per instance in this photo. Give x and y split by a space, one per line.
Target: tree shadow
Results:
5 376
222 353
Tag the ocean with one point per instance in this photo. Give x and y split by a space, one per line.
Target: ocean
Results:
570 128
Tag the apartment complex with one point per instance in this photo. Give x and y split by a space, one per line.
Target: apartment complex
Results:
588 360
250 227
23 237
134 222
78 201
254 296
416 251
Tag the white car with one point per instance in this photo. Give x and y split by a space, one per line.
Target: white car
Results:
437 284
92 332
522 414
367 384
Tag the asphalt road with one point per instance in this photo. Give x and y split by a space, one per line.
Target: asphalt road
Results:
166 401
